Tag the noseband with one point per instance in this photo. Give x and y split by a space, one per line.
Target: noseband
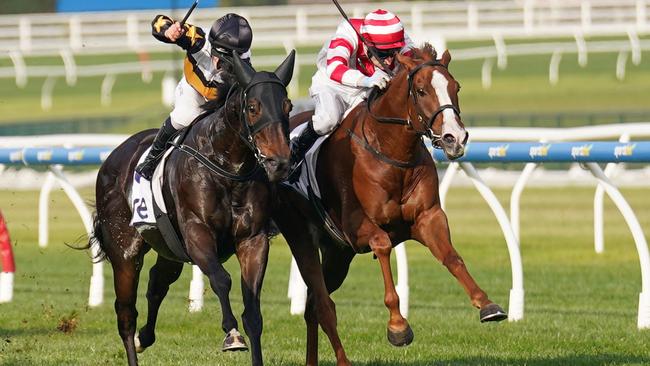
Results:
428 125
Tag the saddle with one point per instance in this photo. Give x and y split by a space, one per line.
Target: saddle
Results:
307 186
150 216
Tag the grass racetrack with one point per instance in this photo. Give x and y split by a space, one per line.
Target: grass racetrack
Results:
581 308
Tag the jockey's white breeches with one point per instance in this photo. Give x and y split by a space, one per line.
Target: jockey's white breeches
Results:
187 105
331 101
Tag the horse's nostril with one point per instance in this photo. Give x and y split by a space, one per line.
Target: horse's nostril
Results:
449 138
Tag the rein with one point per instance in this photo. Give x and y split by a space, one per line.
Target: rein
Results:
363 140
246 136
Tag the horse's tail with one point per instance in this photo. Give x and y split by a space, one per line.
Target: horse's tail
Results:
97 238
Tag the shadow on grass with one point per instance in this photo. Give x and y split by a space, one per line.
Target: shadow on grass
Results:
577 360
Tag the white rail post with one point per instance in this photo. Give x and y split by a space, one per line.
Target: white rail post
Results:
25 34
196 290
46 93
445 183
516 303
472 17
554 67
70 67
621 60
585 16
132 32
43 209
643 319
581 44
502 52
96 293
297 291
19 68
599 241
107 88
486 73
402 286
635 46
302 24
529 16
641 17
416 20
76 32
515 197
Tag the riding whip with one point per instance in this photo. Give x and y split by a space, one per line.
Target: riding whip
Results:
189 12
363 40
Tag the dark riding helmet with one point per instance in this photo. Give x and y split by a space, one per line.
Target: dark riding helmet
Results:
230 33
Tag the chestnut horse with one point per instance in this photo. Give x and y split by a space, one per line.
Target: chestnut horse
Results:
379 185
218 200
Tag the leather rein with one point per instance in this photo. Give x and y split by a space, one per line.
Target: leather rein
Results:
246 136
428 125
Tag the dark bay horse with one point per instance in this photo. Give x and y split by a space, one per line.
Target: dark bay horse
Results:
217 197
379 185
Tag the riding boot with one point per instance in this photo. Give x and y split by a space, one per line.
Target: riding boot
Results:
147 167
299 147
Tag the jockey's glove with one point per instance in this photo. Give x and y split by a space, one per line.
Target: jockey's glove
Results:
379 79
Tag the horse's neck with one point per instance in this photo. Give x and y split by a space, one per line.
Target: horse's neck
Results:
218 138
395 140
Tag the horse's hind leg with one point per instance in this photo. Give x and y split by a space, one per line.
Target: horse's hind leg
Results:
336 263
126 273
161 275
431 229
253 256
320 307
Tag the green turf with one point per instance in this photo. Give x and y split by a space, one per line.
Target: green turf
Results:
580 309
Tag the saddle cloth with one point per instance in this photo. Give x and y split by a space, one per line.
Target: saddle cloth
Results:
144 192
308 172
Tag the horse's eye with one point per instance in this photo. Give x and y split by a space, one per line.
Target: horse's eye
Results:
420 92
251 108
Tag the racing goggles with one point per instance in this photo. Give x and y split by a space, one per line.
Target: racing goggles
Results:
385 53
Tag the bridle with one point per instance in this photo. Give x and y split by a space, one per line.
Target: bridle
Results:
246 134
421 116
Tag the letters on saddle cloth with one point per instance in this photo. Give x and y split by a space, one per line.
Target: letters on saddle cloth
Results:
148 207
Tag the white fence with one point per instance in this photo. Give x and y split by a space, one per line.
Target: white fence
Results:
311 24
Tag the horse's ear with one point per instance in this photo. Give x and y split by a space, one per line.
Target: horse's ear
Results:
406 61
284 72
243 70
446 58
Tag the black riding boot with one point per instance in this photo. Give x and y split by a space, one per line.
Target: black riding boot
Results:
299 147
147 167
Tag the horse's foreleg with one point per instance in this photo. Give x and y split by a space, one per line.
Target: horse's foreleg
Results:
399 331
162 274
253 255
200 241
431 229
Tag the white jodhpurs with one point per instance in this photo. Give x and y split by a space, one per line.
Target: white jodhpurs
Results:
187 105
331 101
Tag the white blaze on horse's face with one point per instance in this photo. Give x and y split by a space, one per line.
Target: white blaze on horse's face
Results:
450 123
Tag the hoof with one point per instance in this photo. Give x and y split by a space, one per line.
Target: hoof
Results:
492 313
399 339
234 341
138 345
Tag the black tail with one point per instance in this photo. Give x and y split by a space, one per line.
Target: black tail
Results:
97 238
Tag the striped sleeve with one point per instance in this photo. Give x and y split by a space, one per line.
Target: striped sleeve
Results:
192 40
342 49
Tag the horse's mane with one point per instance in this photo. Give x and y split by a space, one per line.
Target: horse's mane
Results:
223 88
425 53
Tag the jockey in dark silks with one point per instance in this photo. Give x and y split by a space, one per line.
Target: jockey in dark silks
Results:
204 69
